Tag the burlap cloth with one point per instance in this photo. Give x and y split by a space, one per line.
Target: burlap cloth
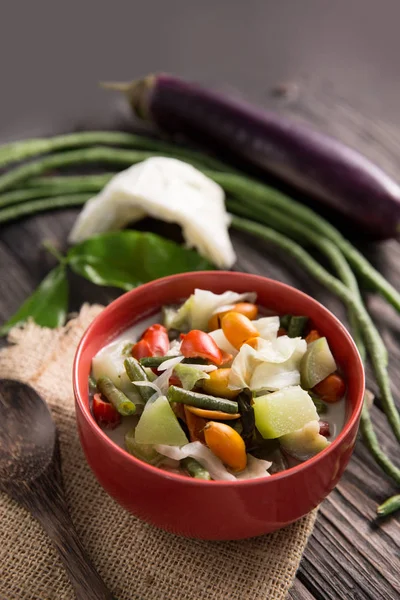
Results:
136 560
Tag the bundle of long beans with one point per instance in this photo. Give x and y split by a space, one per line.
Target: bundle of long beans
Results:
257 209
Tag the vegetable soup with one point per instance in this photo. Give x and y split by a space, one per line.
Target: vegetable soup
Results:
215 390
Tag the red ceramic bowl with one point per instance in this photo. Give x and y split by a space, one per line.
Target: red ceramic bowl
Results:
215 510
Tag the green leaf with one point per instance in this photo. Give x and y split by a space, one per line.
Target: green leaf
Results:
48 304
126 259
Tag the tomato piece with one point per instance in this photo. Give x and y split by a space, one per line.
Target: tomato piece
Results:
247 309
154 342
331 389
141 350
238 329
157 338
105 413
199 344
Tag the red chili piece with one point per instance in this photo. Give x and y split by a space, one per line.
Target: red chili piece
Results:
105 413
198 344
154 342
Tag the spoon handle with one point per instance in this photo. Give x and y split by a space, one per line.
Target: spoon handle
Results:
47 504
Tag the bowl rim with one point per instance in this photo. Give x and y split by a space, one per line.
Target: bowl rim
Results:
304 466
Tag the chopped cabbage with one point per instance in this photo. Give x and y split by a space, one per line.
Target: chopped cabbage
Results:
202 454
189 375
171 362
242 368
222 342
255 468
272 365
274 376
168 189
200 306
109 362
267 327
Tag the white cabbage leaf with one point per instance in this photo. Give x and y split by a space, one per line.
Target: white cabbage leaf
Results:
272 365
167 189
109 362
200 306
202 454
272 376
267 327
220 339
256 468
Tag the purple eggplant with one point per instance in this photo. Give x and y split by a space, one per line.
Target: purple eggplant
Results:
319 166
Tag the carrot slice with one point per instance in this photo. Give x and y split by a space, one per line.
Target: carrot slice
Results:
312 336
217 415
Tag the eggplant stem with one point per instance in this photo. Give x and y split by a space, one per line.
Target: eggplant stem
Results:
118 86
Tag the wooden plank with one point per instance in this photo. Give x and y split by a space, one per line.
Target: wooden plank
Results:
350 555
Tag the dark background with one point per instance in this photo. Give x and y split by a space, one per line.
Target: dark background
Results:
341 58
52 53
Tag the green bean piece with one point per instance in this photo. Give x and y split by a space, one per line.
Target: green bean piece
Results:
371 441
205 401
154 361
286 225
24 149
95 155
121 403
36 206
92 384
195 469
195 360
284 321
247 418
390 506
245 188
372 338
70 183
297 326
135 373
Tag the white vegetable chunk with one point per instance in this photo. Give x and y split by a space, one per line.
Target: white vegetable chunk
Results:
200 307
272 365
167 189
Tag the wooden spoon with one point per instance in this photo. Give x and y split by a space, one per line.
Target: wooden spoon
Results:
30 472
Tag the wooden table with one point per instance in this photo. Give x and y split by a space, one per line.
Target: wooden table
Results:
341 63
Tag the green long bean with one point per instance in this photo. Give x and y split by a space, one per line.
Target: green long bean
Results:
346 275
76 158
121 403
285 224
347 296
244 188
389 506
371 441
36 206
70 183
25 149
